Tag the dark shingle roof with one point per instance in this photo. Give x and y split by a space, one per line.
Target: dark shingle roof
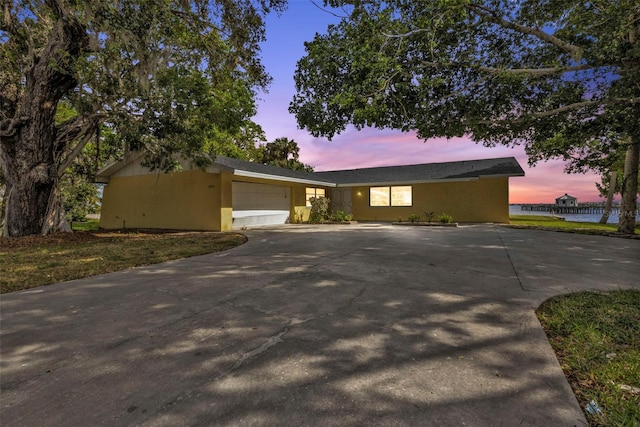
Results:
429 172
274 171
507 166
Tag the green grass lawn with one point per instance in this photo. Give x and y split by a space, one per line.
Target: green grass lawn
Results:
31 261
88 225
557 224
596 337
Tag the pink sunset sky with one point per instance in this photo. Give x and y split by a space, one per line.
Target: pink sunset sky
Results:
286 35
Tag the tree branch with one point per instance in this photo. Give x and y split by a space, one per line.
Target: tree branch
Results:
64 164
559 110
6 16
407 34
535 71
565 108
328 11
79 127
574 51
512 71
538 115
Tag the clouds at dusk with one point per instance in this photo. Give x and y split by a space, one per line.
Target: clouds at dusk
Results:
372 147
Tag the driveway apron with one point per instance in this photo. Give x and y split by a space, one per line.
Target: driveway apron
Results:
367 324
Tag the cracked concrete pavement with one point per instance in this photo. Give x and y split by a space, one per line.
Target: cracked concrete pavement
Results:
367 324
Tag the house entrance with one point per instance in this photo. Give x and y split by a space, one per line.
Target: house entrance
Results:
341 200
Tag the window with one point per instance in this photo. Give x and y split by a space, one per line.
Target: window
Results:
390 196
401 196
314 192
379 196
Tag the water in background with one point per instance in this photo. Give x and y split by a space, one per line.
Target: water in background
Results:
613 218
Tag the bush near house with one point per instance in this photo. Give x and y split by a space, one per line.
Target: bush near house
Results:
341 216
414 218
319 209
429 216
445 218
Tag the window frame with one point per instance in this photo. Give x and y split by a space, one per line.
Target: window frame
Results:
307 194
390 198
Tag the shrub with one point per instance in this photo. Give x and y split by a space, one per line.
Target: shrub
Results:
445 218
79 200
429 216
341 216
319 209
414 218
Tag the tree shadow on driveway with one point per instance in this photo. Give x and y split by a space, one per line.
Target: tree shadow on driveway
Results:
303 326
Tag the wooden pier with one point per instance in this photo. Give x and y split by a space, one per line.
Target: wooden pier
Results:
587 208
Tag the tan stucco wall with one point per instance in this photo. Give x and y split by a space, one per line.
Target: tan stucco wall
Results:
226 211
299 210
196 200
190 200
483 200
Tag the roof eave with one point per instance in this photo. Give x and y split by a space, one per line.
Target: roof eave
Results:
428 181
504 175
421 181
104 174
249 174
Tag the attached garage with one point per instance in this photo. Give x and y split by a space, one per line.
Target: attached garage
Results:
233 193
260 204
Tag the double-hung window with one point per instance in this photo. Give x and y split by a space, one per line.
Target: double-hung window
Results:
314 192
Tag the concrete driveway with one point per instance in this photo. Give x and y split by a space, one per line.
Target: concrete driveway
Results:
311 325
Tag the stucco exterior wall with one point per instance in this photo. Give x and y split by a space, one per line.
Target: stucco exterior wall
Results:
226 202
197 200
482 200
299 210
189 200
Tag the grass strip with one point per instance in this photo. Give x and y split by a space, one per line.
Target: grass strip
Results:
596 337
32 261
558 224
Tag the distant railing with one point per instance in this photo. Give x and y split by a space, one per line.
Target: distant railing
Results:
584 208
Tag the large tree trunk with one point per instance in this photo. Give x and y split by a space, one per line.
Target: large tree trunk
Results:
613 180
29 180
29 149
628 205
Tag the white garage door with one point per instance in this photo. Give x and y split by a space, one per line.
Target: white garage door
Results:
260 204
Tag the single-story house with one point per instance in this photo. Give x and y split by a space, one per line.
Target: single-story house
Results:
567 200
233 193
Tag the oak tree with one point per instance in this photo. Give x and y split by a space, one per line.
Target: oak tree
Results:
559 77
168 77
282 152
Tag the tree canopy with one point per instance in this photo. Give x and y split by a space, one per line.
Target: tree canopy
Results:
174 78
561 78
282 152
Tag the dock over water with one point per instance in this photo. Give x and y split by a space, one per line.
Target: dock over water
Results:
586 208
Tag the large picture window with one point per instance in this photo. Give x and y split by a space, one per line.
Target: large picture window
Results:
390 196
379 196
314 192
